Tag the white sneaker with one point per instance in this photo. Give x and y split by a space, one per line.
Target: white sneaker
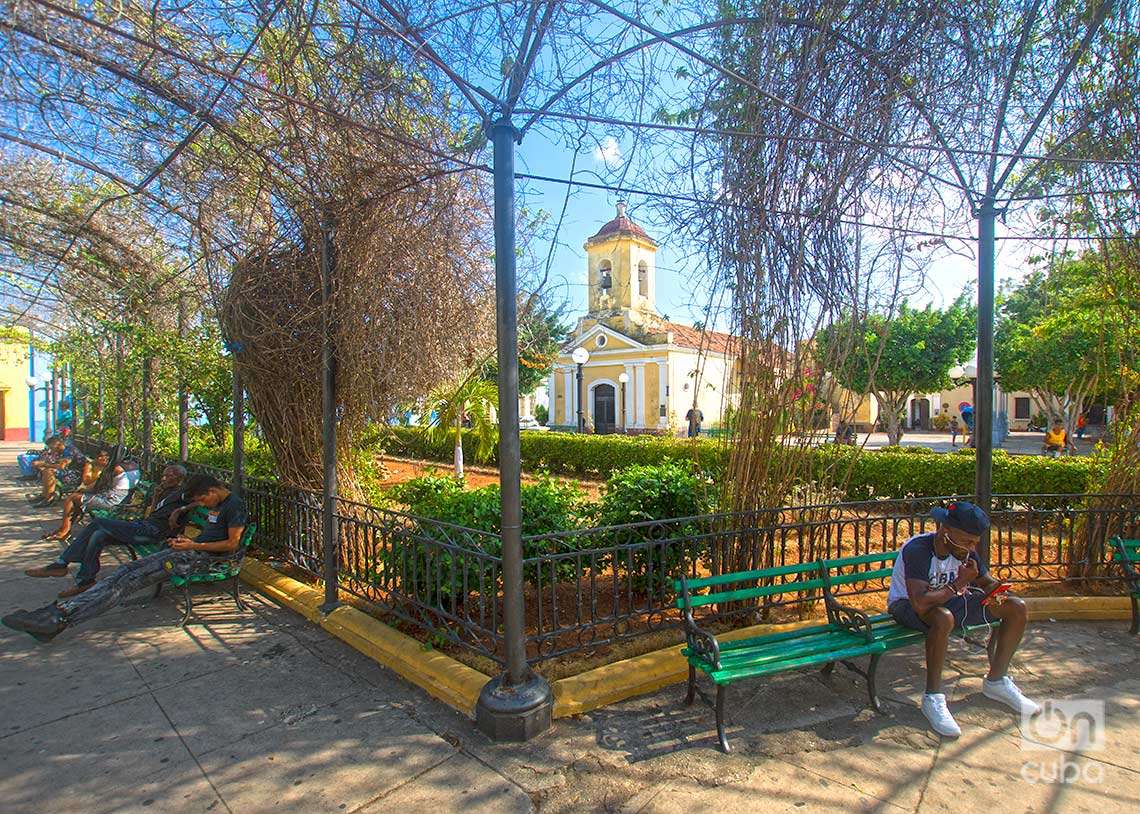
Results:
1006 691
934 708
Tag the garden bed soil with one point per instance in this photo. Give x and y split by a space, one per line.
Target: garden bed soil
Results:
400 470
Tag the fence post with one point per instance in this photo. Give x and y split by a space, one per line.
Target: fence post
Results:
329 539
518 704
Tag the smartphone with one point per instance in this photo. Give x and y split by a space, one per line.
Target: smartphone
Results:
1000 588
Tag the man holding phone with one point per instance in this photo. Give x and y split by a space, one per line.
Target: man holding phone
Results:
939 583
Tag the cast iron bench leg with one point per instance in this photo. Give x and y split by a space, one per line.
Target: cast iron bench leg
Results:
237 593
1135 615
186 597
871 668
720 693
693 684
827 668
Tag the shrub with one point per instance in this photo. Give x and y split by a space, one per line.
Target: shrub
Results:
941 422
897 472
542 414
547 507
654 492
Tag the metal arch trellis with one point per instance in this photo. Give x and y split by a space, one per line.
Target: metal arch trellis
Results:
495 109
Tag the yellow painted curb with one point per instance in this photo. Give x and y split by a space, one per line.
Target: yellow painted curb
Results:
635 676
441 676
445 678
642 674
1078 608
281 589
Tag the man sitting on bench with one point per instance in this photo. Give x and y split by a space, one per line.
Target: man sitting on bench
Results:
163 518
225 522
938 583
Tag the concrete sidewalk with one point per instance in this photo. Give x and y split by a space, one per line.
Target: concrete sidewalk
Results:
242 712
260 711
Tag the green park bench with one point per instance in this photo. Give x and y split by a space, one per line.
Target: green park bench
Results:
1128 555
133 505
848 634
218 569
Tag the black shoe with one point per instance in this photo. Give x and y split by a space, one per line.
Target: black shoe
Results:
34 498
44 624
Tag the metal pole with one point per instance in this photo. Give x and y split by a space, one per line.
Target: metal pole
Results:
581 420
623 427
239 427
516 705
984 397
183 394
32 393
147 420
329 538
50 394
121 395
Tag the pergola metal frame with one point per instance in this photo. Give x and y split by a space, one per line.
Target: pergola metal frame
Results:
518 703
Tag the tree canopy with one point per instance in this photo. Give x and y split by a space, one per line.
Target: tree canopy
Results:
893 357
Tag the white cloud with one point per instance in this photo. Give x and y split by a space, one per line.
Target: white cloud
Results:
608 152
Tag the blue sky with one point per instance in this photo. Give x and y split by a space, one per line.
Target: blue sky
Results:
587 209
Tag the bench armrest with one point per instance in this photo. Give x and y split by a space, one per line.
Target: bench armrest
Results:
851 619
701 643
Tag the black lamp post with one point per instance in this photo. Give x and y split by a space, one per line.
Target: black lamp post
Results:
623 378
580 357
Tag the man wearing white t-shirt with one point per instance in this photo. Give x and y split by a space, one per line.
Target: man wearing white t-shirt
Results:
938 583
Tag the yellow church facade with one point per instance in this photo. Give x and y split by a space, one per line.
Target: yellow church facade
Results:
641 373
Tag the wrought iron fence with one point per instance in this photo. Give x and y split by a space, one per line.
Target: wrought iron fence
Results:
589 588
592 587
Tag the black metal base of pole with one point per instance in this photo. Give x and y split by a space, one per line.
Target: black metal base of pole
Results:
516 712
328 607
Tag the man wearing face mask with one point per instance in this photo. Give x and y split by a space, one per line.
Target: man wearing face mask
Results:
938 583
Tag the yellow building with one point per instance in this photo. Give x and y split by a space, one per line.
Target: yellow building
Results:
642 372
14 400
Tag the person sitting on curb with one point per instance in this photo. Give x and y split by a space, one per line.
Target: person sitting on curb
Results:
938 583
221 535
162 518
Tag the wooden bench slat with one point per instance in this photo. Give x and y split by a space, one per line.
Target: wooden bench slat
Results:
786 635
728 675
754 593
787 651
861 559
746 576
861 576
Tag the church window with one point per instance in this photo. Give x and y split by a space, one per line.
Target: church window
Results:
605 275
643 278
600 341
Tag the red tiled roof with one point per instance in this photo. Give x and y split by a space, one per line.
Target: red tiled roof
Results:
712 341
622 225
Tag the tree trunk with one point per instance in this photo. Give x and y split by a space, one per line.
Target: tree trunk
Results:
893 424
459 446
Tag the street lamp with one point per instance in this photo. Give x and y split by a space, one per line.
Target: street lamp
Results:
580 357
623 377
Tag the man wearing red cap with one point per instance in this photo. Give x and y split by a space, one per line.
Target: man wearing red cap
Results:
938 583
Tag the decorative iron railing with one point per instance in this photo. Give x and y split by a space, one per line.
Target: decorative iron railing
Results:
588 588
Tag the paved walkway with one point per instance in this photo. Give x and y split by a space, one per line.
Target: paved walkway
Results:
260 711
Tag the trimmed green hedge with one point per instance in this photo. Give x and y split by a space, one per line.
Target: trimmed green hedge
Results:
897 474
891 473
